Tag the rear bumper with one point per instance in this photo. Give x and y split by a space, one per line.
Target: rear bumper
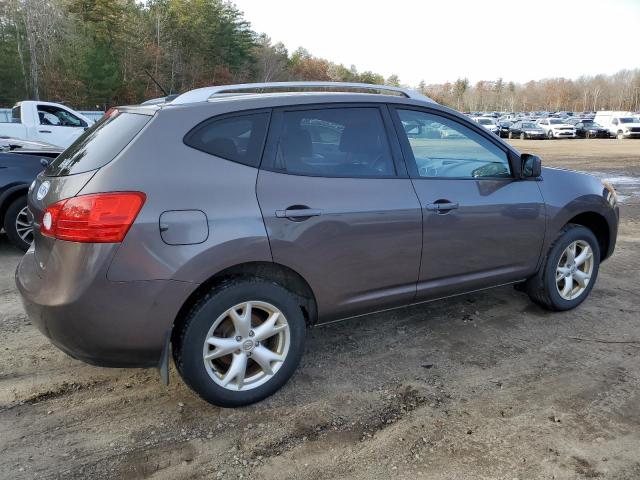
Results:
113 324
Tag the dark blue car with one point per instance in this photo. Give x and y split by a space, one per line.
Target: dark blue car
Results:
20 162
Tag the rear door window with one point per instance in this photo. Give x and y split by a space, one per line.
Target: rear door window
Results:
239 138
334 142
98 145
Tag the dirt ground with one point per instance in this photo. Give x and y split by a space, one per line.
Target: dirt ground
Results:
482 386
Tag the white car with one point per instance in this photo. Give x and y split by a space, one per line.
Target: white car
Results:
557 128
619 124
45 122
488 123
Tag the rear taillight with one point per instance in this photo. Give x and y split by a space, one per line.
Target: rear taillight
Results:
95 218
113 111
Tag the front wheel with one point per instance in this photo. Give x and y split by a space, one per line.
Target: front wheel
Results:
522 136
569 271
510 135
620 136
241 342
550 135
17 224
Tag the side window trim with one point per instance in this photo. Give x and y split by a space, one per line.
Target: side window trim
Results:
224 116
276 125
407 152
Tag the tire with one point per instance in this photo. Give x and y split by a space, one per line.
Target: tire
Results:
550 134
189 345
522 136
544 289
620 136
510 135
20 235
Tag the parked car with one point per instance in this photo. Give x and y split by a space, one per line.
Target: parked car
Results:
586 128
619 124
503 128
20 162
286 211
488 122
557 128
526 129
45 122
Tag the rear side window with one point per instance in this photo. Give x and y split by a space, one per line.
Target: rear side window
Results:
98 145
334 142
239 138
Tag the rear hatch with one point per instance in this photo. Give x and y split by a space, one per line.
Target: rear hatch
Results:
67 175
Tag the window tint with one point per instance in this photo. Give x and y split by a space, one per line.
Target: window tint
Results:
238 138
334 142
98 145
445 148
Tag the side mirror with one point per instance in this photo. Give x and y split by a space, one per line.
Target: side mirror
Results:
530 166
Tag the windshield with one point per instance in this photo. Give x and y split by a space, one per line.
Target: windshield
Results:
555 121
628 120
529 125
485 121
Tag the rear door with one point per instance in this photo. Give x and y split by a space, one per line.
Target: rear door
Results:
339 207
482 226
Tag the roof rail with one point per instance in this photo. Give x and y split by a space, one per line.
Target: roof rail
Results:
204 94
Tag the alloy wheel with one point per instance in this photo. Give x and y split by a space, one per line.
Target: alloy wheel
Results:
574 270
24 229
246 345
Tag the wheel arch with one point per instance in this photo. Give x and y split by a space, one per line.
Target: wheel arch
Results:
9 196
278 273
598 224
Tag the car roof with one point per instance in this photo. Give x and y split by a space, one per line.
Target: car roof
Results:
208 93
272 100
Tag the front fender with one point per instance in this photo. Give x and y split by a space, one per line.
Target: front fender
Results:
568 194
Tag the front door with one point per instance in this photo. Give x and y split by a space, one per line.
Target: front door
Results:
340 209
482 226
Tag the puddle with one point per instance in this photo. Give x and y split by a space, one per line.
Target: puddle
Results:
628 187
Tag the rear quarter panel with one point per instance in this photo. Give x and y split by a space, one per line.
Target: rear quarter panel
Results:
177 177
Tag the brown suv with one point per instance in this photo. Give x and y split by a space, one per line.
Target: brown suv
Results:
220 224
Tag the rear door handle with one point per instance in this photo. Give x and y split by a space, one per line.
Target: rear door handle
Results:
298 213
442 206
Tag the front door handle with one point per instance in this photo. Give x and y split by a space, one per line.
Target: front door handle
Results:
442 206
44 131
298 213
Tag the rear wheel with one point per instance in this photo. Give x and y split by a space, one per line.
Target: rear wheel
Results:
241 342
569 272
17 224
522 136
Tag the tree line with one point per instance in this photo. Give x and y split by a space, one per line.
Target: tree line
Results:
99 53
620 91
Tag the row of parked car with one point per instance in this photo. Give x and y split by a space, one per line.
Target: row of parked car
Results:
603 124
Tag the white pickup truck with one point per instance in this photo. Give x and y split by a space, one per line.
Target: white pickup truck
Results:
46 122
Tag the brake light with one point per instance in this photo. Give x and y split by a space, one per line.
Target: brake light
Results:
112 112
94 218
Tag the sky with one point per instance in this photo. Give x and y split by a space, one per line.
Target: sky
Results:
439 41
